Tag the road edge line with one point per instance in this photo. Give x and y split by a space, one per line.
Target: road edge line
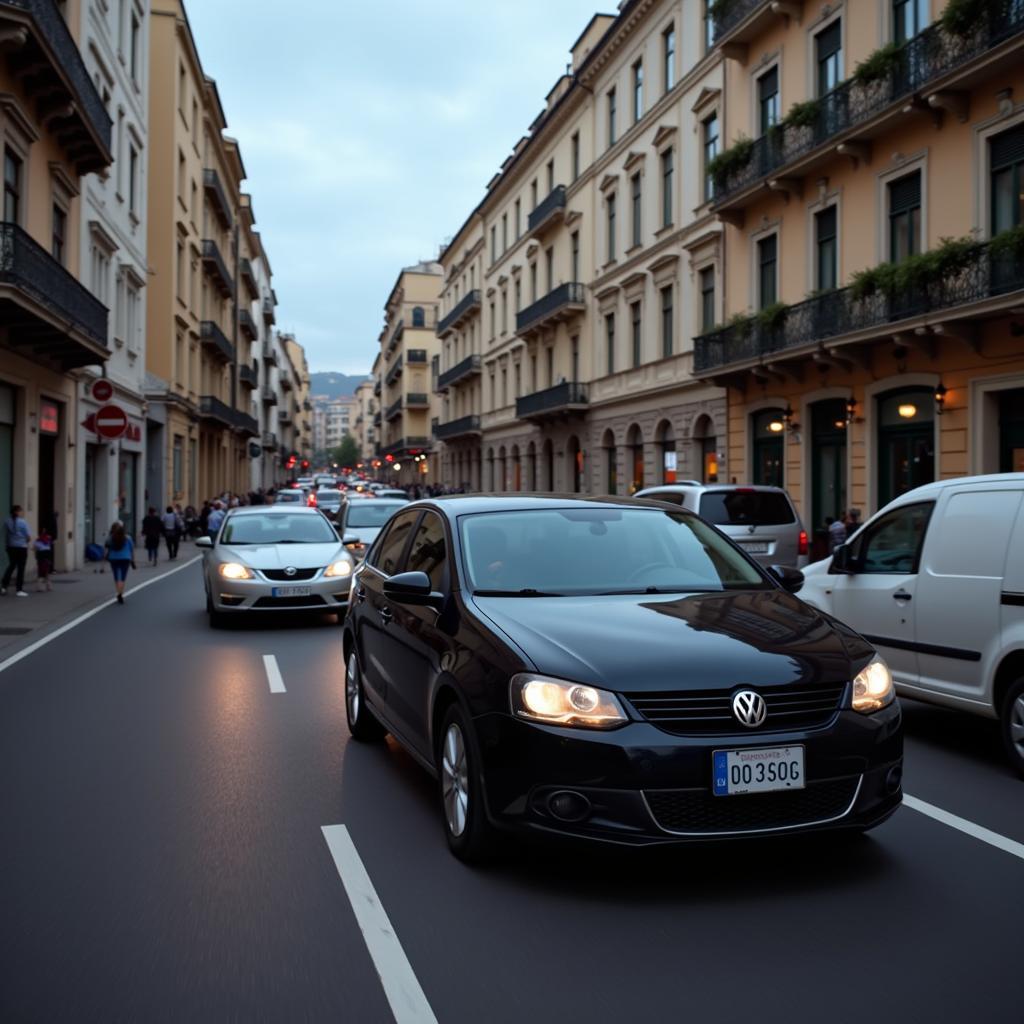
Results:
274 677
969 828
401 989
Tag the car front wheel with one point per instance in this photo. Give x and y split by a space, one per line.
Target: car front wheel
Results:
1012 722
466 826
361 721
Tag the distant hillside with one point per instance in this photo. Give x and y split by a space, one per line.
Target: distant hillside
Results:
334 385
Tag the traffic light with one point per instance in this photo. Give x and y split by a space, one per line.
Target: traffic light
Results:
389 458
305 463
291 462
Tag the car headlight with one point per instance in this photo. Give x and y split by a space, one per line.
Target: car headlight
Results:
342 568
557 702
235 571
872 687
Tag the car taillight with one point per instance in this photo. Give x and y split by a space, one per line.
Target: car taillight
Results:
312 502
802 546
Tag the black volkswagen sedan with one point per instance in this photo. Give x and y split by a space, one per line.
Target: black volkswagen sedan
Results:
612 669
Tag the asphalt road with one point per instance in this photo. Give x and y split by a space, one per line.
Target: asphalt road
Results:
162 858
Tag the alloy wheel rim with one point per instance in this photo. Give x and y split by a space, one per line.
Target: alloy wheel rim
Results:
352 697
1017 726
455 780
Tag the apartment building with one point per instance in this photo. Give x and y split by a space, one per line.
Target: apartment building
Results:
334 419
295 408
408 346
364 432
872 198
55 128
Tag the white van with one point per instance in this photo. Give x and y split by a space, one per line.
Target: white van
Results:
935 580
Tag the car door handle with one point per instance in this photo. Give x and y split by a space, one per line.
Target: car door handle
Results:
902 595
385 615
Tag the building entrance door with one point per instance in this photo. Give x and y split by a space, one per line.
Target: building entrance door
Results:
828 467
1011 431
768 427
906 442
127 490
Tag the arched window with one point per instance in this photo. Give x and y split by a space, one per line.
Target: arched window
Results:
419 318
635 444
705 446
517 469
666 437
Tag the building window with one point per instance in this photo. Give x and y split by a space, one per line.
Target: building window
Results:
575 350
519 295
134 49
636 195
494 326
177 476
667 176
533 282
182 89
611 117
634 314
494 243
504 232
828 48
179 266
133 182
710 132
709 26
768 100
575 155
549 269
574 241
909 17
666 321
826 249
609 333
504 311
551 365
551 176
1006 162
638 90
668 50
419 316
60 230
519 219
905 216
707 299
767 271
533 194
611 227
12 188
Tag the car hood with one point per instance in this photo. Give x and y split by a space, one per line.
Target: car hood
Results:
686 642
280 556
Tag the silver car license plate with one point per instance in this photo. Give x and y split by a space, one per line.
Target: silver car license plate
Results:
292 591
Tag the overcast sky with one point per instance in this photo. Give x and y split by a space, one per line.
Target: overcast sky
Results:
369 131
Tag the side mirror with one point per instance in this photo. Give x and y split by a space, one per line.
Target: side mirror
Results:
411 588
204 542
789 579
842 561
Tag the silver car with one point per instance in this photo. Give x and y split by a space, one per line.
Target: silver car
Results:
269 558
760 519
361 519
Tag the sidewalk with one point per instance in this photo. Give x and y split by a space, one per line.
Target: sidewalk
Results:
23 620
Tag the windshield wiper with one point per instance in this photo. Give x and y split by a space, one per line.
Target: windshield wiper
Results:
525 592
652 590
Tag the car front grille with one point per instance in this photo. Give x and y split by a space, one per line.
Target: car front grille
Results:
704 712
289 602
699 812
280 576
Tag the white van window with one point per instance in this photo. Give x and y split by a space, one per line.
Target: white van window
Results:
972 536
892 544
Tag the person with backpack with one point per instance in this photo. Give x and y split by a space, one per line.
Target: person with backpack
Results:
18 538
152 531
172 532
119 551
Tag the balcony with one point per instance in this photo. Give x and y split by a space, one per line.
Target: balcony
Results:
249 279
464 426
562 400
247 325
41 51
269 440
377 387
218 197
377 419
406 446
396 336
284 417
933 64
213 409
246 424
214 265
469 367
269 396
284 379
466 307
394 411
49 316
417 400
394 372
216 341
737 22
987 285
560 303
307 405
248 376
548 213
269 317
270 355
416 355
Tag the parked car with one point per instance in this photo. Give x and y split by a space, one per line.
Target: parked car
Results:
275 558
614 670
936 581
361 519
761 519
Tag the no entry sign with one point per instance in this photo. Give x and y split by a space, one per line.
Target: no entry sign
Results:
102 390
111 421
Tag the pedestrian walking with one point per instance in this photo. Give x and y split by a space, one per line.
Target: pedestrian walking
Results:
836 532
119 551
216 517
18 538
43 545
152 531
172 527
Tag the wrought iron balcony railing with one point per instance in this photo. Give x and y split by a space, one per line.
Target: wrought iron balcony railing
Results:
31 279
270 355
284 378
417 400
416 355
468 304
212 408
248 276
396 336
565 397
215 266
406 445
377 387
269 396
377 419
269 439
285 416
556 305
834 314
394 371
216 341
394 410
269 316
550 208
469 367
246 424
731 13
247 325
248 376
923 60
464 426
218 196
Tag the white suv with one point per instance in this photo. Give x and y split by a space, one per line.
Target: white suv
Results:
936 581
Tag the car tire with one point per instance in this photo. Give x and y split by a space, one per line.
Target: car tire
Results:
460 790
362 723
216 617
1011 723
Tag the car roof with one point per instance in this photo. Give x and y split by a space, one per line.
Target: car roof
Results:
468 504
933 489
688 488
248 510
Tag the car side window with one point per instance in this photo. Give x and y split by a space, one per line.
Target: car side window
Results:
893 543
672 496
429 552
387 554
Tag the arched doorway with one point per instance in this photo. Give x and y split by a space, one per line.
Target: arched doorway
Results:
611 463
531 467
502 470
828 467
635 445
705 445
548 459
906 441
575 463
517 469
666 439
768 428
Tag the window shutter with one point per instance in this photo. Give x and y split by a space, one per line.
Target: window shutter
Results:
905 194
830 40
1007 148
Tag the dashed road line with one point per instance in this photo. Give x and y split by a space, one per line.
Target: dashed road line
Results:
404 995
963 825
273 674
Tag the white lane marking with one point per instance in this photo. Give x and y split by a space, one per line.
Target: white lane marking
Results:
43 641
965 826
408 1003
273 674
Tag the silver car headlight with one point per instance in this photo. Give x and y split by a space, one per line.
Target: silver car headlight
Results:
340 568
557 702
235 571
873 687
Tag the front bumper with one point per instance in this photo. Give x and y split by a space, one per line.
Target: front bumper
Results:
639 785
326 594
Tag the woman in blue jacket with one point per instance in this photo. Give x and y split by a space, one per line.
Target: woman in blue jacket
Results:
119 551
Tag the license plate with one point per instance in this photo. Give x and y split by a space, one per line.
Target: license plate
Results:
757 770
292 591
755 547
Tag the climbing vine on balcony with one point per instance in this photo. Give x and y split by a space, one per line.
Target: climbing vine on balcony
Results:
951 257
731 160
878 65
960 18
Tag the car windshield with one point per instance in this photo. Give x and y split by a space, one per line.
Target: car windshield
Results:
328 496
536 552
746 508
371 513
283 497
277 528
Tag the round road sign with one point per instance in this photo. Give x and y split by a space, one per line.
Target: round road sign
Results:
102 390
111 421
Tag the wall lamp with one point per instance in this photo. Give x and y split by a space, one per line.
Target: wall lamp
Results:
787 415
940 399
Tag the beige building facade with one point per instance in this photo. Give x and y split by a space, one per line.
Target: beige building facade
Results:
363 431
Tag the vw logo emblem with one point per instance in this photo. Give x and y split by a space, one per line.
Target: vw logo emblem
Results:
290 571
749 708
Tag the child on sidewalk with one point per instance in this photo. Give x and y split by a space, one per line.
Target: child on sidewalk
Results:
44 559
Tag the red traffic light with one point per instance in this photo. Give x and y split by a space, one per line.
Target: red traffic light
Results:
305 463
389 458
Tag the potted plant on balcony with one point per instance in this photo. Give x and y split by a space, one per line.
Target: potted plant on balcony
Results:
730 161
961 18
878 66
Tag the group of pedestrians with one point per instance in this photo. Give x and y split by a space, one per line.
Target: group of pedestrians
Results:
840 529
169 527
18 541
